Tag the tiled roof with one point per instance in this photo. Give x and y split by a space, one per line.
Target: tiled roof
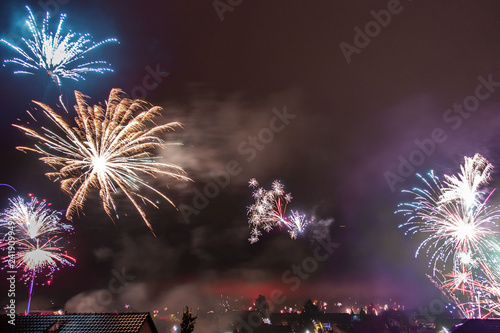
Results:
79 323
478 325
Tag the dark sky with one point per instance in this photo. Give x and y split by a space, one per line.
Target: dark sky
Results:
354 121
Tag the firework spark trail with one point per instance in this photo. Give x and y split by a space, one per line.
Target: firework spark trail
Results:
466 186
32 218
56 53
36 232
460 228
110 149
482 298
296 223
269 210
37 255
8 186
438 283
449 227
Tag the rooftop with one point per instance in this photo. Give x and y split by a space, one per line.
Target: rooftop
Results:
80 323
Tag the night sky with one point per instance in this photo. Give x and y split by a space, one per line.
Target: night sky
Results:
357 107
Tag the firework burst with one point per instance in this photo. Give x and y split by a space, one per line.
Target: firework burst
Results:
32 219
110 150
35 256
33 240
7 185
449 227
461 233
465 187
269 211
56 53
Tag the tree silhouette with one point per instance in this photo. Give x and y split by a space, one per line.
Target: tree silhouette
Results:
309 313
311 310
188 321
262 306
